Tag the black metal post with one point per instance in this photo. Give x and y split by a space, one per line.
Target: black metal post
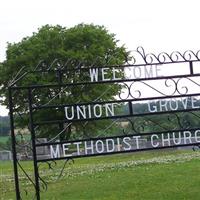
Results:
191 67
130 105
14 152
33 138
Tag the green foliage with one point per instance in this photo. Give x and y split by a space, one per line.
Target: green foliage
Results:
163 121
83 43
5 143
4 132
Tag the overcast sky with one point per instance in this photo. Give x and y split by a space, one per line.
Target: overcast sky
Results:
157 25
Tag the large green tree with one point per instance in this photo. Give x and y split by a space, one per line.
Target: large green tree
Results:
81 46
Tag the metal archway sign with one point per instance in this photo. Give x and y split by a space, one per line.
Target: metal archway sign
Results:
155 105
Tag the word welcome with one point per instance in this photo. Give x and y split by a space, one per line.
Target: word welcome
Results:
136 72
124 144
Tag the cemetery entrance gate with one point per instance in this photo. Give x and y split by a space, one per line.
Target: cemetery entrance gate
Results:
71 110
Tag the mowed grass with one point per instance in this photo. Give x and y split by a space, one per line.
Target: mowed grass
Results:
156 175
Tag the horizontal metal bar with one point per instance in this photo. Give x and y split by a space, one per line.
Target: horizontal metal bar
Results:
113 137
77 120
111 66
118 152
116 101
104 82
113 117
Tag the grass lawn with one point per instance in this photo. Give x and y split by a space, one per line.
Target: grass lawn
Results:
156 175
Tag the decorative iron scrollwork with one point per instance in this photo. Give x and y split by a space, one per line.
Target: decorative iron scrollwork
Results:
76 91
164 57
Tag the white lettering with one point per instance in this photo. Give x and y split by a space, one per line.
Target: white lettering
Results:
110 109
55 153
81 112
89 147
148 72
165 139
137 72
163 105
104 73
187 136
67 114
128 73
110 145
126 141
97 110
94 74
174 138
150 107
77 147
118 144
115 72
184 103
65 149
194 101
137 141
89 111
154 144
158 70
99 145
173 105
197 137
